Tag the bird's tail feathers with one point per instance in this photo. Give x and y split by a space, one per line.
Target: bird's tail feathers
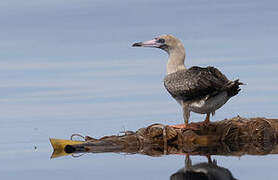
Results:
232 87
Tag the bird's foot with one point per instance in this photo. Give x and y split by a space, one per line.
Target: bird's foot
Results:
185 126
179 126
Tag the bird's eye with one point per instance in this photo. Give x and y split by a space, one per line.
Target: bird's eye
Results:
161 41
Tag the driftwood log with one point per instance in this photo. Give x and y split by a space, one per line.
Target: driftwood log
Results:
236 136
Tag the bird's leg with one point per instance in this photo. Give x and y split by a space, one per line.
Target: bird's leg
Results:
207 121
186 115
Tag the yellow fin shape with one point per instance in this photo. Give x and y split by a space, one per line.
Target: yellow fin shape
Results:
59 146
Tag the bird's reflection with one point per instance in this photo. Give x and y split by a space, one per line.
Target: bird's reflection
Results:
202 171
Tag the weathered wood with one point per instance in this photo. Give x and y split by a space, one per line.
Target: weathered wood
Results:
235 136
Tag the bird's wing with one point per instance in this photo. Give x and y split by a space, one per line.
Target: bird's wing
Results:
195 82
216 73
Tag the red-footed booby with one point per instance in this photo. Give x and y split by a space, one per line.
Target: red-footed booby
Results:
197 89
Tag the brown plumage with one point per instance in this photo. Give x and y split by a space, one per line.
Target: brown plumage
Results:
197 82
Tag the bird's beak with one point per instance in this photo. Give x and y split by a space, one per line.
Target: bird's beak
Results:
150 43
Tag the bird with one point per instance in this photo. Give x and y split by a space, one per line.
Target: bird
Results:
202 171
202 90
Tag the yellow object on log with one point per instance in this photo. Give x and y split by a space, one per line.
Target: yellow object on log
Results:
59 146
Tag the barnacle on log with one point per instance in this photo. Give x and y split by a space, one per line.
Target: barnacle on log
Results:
235 136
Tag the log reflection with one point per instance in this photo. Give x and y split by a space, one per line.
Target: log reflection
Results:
231 137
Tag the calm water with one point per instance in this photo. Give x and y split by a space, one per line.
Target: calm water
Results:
68 67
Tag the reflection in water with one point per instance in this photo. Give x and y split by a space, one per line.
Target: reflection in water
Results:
202 171
236 136
230 137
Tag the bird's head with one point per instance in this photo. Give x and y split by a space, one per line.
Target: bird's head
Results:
167 43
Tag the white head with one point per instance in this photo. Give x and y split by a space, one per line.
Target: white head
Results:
172 46
168 43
